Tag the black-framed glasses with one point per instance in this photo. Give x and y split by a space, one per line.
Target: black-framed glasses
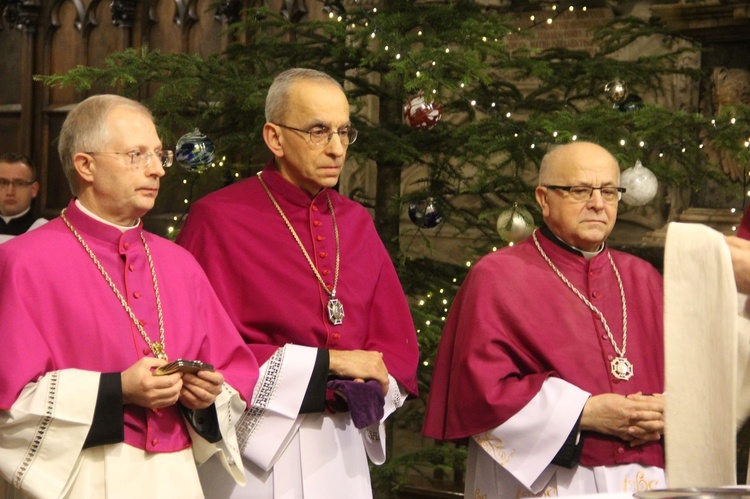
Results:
321 135
140 159
17 183
610 193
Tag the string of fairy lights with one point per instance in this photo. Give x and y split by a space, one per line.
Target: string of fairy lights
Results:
337 13
492 111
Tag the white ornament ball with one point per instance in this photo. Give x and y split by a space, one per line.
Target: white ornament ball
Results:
515 224
640 184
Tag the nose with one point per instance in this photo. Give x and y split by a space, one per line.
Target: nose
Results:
335 146
155 168
596 200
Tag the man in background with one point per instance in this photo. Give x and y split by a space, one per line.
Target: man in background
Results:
551 360
18 188
309 284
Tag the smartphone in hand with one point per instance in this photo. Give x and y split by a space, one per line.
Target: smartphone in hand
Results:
182 365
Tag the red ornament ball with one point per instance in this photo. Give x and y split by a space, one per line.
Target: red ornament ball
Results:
421 115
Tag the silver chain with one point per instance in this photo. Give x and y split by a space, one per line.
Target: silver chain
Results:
156 348
620 353
331 292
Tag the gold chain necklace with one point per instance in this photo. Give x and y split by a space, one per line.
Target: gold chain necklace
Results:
156 347
335 307
620 366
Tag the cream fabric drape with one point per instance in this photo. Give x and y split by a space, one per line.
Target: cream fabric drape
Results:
707 348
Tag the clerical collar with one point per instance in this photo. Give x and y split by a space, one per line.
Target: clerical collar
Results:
13 217
588 255
91 214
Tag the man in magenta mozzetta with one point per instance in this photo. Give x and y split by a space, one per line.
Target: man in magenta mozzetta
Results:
91 304
551 360
310 286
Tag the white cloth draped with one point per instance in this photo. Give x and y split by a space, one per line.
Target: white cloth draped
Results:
707 349
300 456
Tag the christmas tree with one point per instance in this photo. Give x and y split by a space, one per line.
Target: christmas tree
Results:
459 98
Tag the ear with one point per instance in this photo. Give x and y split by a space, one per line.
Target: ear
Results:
541 198
34 189
274 140
85 166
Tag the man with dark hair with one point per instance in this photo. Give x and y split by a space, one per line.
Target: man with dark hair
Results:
93 309
18 188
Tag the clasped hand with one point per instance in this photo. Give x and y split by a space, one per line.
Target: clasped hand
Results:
359 365
195 391
635 418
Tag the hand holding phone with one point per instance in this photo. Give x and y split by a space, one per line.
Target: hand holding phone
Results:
184 366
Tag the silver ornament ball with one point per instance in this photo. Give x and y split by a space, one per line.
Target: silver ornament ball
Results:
515 224
640 184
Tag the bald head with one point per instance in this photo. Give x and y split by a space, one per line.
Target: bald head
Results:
569 158
584 224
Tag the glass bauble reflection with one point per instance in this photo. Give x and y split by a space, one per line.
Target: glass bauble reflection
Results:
616 90
422 115
195 151
640 184
426 213
632 102
515 224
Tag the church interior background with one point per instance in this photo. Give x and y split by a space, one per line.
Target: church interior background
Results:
45 37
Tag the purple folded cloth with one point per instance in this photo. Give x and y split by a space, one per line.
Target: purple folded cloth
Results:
365 400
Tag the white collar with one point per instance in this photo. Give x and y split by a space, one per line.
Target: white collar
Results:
8 219
91 214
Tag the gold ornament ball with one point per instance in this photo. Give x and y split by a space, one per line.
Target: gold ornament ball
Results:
616 90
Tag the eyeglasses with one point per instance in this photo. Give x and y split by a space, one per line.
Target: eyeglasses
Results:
16 183
141 160
321 135
610 194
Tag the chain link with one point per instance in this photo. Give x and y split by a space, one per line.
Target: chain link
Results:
331 292
620 353
156 348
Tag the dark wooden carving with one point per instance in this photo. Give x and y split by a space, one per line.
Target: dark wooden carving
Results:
294 10
229 11
123 13
22 14
185 13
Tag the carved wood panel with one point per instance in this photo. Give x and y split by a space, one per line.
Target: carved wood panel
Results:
54 36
